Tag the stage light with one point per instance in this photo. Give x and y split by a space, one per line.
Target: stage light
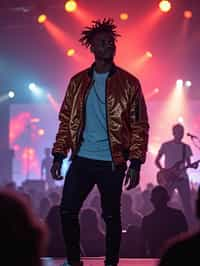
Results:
70 52
31 86
148 54
165 6
35 120
41 132
35 89
179 84
156 90
123 16
153 149
42 18
188 14
28 153
180 120
11 94
188 83
71 6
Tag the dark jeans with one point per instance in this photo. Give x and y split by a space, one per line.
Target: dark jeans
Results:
83 174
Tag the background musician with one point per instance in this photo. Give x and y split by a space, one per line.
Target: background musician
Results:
175 151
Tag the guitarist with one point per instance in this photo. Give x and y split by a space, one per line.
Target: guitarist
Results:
175 151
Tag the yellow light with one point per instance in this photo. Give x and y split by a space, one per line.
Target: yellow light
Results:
41 132
70 52
148 54
188 14
70 6
42 18
165 6
123 16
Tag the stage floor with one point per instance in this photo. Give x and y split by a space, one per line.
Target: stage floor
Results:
123 262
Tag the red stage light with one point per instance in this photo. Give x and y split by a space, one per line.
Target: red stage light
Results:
188 14
148 54
123 16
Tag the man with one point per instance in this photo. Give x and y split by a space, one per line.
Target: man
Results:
45 168
175 151
161 224
103 121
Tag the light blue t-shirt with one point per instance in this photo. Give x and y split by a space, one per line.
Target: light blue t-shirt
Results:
95 144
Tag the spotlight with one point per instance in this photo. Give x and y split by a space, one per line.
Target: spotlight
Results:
31 86
35 120
70 52
148 54
42 18
165 6
70 6
179 84
156 90
123 16
35 89
11 94
188 14
188 83
180 119
41 132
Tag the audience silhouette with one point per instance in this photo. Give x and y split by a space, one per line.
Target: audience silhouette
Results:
23 237
183 249
129 215
162 223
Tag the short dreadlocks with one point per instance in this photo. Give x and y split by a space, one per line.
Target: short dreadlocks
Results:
106 25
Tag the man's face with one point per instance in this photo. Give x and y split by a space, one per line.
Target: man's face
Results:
178 133
103 46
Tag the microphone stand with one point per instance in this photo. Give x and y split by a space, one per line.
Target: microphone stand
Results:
194 142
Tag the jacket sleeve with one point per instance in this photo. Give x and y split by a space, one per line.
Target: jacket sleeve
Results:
139 124
62 144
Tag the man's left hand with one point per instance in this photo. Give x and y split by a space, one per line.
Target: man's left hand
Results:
132 178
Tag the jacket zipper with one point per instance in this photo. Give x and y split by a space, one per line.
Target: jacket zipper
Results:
80 133
107 124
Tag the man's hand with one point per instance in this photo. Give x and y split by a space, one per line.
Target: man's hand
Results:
195 165
56 170
132 178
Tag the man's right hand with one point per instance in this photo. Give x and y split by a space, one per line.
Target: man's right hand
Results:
56 170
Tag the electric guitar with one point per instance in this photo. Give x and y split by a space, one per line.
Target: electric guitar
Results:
166 177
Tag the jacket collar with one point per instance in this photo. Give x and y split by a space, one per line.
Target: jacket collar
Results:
112 71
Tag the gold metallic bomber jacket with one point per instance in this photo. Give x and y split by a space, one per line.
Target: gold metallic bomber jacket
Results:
127 119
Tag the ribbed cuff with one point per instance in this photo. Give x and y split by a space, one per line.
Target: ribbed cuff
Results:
58 157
